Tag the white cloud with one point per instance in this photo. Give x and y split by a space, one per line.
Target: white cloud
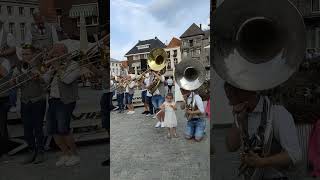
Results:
131 22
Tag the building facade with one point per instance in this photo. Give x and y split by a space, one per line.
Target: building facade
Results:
173 50
195 45
115 66
66 14
16 17
138 55
310 10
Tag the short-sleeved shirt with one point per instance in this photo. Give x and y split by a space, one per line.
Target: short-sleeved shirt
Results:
284 133
170 82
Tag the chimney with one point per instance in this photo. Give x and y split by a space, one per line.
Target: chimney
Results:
201 26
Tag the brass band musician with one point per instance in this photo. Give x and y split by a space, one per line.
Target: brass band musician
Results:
195 114
266 133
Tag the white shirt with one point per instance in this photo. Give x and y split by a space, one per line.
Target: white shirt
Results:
54 88
284 132
6 65
170 82
147 81
198 101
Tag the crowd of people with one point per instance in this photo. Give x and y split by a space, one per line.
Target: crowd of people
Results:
160 102
55 84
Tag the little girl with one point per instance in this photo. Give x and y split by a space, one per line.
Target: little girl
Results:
170 119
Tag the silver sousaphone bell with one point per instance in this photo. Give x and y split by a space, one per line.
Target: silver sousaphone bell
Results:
190 74
259 44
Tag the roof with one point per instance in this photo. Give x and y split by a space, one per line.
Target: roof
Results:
193 30
174 43
153 43
115 60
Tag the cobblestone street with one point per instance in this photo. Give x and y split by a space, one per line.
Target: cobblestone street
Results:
141 152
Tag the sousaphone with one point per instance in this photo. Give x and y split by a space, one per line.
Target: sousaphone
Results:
157 61
259 44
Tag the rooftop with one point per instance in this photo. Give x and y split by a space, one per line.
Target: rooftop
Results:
175 42
146 46
193 30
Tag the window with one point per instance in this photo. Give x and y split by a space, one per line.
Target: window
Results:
315 5
59 11
185 53
10 10
116 65
144 46
169 64
175 53
175 61
90 21
311 38
208 60
191 42
21 11
31 11
198 51
22 31
168 54
136 57
11 28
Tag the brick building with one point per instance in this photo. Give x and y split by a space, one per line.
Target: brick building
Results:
67 15
16 17
310 10
195 44
138 55
173 50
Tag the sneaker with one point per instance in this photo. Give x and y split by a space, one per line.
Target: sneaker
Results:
148 114
62 160
130 112
154 117
30 157
73 160
145 112
158 124
13 109
116 108
162 125
39 158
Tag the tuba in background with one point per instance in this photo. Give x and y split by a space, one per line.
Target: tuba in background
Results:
157 61
258 45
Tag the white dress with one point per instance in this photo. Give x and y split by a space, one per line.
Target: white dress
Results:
170 119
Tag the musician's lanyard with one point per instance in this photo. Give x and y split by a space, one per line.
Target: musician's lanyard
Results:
261 128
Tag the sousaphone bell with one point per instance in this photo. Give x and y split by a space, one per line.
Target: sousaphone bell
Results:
259 44
190 74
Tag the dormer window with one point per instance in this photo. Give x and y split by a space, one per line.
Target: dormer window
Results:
145 46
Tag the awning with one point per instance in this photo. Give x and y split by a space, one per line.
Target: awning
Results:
84 10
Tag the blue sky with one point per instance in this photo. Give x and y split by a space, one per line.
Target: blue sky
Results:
133 20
